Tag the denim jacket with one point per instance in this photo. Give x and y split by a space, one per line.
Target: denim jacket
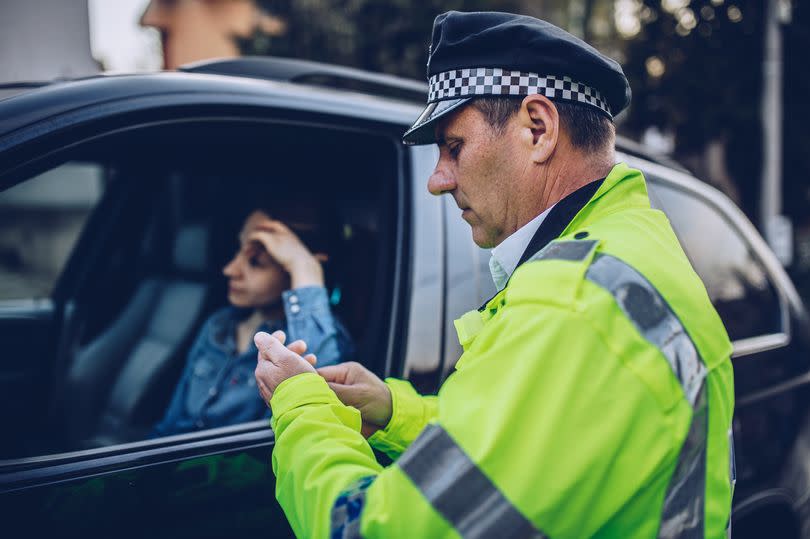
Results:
217 387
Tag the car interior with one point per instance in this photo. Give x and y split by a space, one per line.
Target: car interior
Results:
146 271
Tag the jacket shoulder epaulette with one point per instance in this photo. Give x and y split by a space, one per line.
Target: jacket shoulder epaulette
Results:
563 262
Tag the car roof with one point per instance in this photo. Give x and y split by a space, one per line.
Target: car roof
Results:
296 84
53 100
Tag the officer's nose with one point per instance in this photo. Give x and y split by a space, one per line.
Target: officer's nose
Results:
441 181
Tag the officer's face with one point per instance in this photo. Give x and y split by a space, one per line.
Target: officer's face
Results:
478 166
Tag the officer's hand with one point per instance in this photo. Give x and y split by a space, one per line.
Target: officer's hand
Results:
277 362
359 387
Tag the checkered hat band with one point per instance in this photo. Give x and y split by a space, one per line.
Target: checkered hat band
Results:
471 82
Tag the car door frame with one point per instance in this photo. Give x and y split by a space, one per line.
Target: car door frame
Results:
787 294
44 141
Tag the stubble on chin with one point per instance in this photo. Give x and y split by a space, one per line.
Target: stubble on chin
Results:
482 239
486 239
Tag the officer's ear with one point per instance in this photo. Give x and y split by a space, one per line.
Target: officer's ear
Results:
540 127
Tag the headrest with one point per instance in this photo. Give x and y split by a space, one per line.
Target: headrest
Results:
191 248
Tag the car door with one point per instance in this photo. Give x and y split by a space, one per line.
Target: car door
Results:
217 481
763 315
38 218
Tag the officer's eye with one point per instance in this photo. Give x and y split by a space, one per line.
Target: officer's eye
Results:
454 149
255 260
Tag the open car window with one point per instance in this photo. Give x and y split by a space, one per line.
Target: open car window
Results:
137 293
40 221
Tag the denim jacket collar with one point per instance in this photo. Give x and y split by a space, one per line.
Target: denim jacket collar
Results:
223 329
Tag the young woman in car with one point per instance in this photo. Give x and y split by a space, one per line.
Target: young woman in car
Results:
274 283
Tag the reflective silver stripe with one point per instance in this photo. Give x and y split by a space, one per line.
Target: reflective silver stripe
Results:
682 515
732 461
573 250
684 503
651 315
732 474
459 491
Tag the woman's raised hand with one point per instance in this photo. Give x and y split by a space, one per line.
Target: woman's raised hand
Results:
286 248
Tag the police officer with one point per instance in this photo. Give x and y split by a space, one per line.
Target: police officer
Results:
595 393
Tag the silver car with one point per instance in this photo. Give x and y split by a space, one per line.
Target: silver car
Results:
119 204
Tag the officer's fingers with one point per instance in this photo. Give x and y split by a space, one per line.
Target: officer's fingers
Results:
367 429
270 347
263 339
259 373
264 392
357 374
262 372
345 393
260 385
334 373
311 359
298 347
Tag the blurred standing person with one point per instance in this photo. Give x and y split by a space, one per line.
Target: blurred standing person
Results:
194 30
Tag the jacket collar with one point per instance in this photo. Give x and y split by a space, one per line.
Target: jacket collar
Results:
623 188
579 209
559 218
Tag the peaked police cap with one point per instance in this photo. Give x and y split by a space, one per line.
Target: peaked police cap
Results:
501 54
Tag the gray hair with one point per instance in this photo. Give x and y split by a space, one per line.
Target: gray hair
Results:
588 129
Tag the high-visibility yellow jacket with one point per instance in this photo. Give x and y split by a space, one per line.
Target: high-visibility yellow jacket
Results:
594 399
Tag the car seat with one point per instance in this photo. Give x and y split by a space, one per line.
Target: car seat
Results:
118 383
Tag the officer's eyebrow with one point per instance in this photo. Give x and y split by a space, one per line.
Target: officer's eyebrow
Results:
444 140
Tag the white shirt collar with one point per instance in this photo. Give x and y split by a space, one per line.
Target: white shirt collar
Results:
505 257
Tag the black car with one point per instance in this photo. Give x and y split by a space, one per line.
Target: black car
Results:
118 204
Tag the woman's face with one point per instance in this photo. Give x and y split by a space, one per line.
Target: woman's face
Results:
255 280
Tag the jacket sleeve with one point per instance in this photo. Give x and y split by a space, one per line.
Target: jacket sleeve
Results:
544 415
411 414
318 452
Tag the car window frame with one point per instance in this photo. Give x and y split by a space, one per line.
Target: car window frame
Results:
31 471
736 220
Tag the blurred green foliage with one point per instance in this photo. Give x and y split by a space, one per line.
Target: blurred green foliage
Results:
711 89
390 36
704 84
711 85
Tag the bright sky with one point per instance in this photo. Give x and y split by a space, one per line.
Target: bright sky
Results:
118 41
